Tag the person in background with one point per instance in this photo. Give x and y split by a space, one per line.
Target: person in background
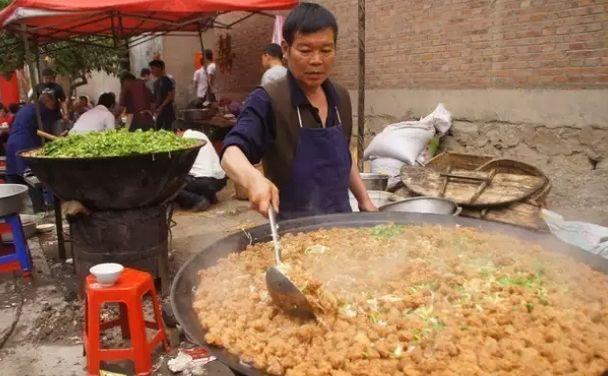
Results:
272 62
137 100
81 106
22 136
5 116
201 82
206 177
299 126
98 119
48 83
147 78
211 75
164 92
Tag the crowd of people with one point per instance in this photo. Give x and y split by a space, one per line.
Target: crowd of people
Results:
297 122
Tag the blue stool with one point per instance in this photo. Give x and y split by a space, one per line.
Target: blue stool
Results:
15 254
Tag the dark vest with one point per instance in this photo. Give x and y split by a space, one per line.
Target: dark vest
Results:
278 158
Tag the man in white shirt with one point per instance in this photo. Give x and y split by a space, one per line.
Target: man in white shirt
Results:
211 75
272 61
99 118
206 177
201 82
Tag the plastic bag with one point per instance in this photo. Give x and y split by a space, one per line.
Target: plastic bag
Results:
587 236
405 141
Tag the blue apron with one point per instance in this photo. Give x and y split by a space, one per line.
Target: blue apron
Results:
320 173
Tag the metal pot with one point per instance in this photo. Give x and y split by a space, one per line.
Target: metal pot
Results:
423 204
374 182
379 198
186 281
12 198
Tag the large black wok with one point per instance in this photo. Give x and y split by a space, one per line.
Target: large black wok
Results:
114 183
186 280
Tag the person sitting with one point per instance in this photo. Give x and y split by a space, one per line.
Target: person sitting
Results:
206 177
272 61
98 119
81 106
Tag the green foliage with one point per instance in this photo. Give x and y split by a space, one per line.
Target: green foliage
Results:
115 143
75 59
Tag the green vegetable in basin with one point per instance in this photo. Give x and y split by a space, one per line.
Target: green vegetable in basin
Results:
115 143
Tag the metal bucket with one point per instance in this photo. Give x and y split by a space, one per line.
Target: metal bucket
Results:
379 198
374 182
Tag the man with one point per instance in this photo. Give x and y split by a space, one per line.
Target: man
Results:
48 83
98 119
137 100
23 136
164 91
206 176
145 76
272 61
299 126
211 75
80 107
201 83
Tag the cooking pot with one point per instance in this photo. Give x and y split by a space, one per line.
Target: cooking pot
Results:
197 114
186 281
379 198
423 204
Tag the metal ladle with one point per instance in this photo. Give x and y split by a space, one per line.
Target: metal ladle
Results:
283 291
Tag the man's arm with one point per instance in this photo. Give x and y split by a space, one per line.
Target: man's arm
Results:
168 99
359 191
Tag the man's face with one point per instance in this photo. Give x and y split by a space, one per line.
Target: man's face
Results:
265 60
310 57
156 71
49 102
48 79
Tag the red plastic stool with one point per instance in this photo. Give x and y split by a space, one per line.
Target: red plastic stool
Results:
129 291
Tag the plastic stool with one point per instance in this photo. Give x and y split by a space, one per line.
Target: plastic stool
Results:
15 255
129 291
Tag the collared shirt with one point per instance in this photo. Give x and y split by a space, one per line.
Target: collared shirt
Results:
97 119
255 128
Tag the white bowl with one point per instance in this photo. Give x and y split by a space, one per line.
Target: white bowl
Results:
107 273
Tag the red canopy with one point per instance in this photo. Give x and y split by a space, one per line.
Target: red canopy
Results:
51 20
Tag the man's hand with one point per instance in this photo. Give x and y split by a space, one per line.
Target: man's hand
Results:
262 193
367 206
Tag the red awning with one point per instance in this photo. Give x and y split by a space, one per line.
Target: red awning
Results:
52 20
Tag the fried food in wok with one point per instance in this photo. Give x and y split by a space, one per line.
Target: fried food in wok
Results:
413 300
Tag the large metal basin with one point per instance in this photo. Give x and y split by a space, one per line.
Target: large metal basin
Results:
115 183
430 205
12 198
186 280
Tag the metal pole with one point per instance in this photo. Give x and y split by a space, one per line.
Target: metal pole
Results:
361 92
200 37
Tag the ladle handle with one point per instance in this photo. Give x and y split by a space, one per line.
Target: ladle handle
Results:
275 235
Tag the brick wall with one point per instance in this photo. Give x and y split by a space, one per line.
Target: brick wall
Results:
458 44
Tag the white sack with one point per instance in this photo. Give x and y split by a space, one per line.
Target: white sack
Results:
588 236
388 166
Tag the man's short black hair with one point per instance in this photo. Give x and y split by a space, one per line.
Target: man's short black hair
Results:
308 18
208 54
274 50
48 72
107 99
126 77
157 63
143 72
